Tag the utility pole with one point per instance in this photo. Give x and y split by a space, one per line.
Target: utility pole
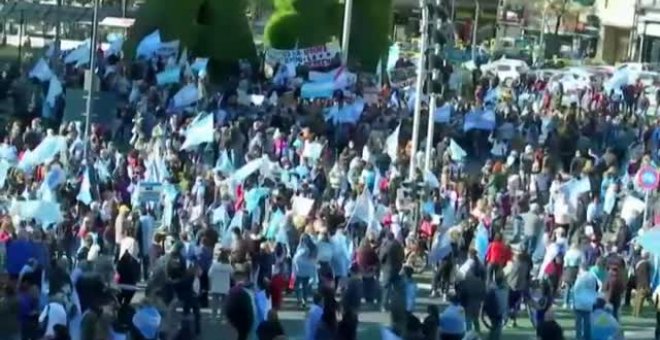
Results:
474 31
89 84
632 39
436 77
346 36
421 75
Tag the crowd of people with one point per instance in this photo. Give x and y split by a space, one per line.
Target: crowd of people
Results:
285 195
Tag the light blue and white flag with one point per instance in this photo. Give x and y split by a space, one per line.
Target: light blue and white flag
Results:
393 56
199 64
44 212
43 153
481 242
168 49
392 143
224 164
4 169
54 90
253 196
317 90
169 76
115 47
365 211
245 171
442 114
80 55
85 193
220 215
441 247
41 71
148 45
200 131
188 95
456 152
479 120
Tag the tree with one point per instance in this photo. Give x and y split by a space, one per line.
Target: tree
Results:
225 35
371 25
301 23
217 29
563 8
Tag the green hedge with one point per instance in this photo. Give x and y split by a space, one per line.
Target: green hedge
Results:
301 23
307 23
371 26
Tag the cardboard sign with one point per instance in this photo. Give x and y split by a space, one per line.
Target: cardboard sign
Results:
149 192
318 56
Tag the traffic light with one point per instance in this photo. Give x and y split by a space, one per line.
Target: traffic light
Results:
437 40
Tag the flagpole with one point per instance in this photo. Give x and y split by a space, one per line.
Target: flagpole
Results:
429 133
90 84
419 90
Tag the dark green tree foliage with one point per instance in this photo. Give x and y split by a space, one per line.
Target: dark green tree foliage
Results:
302 23
225 35
371 25
217 29
175 19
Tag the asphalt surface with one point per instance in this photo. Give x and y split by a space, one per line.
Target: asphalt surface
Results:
372 321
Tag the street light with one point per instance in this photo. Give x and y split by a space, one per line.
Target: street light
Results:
89 84
419 90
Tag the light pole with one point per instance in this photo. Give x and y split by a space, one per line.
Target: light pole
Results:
419 90
89 85
474 31
346 36
436 76
633 31
640 54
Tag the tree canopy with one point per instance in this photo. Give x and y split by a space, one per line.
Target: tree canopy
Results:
217 29
301 23
307 23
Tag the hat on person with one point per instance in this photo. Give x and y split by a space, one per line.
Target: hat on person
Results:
147 321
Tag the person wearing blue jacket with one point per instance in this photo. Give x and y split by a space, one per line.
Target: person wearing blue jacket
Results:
304 268
452 320
603 324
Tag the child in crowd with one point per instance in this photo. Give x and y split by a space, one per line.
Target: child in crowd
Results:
220 274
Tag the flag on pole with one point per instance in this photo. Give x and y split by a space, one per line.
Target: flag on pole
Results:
85 193
392 143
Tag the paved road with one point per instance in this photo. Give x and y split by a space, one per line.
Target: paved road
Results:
371 322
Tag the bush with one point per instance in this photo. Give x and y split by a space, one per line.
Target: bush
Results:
371 25
301 23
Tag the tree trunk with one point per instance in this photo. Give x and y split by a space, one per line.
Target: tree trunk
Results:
558 23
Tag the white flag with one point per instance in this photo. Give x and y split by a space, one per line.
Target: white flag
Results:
392 143
365 211
85 193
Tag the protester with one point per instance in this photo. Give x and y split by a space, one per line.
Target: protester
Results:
228 195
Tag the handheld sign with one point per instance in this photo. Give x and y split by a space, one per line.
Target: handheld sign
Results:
647 178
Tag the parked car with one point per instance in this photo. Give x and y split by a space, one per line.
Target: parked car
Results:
506 69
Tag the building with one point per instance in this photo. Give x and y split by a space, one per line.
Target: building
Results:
623 21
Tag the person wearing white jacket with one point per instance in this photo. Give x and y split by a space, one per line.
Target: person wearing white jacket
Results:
585 293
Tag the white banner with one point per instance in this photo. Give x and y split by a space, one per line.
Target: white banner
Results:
168 49
317 56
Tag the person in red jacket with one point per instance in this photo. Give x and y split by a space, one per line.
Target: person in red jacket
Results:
497 255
